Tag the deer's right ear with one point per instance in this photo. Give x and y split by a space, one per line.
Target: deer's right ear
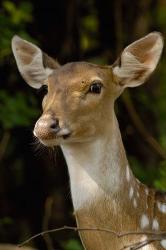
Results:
138 60
34 65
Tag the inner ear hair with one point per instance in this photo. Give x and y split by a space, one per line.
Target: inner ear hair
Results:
34 65
49 62
138 60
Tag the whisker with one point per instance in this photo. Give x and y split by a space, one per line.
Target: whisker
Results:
53 155
38 148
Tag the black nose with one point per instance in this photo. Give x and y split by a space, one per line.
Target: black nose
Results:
54 126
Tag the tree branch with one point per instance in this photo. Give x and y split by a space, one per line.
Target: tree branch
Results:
138 245
141 128
4 143
47 214
154 236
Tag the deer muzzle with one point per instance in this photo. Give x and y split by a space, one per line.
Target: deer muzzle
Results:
47 128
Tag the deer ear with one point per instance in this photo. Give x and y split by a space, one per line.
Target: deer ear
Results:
34 65
138 60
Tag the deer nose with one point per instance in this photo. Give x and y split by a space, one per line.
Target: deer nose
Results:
46 128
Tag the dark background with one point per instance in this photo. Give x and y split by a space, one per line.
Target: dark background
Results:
34 186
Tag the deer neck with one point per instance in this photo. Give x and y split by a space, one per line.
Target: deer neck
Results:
98 168
106 194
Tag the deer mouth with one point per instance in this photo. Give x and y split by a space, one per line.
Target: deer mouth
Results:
66 136
64 133
56 139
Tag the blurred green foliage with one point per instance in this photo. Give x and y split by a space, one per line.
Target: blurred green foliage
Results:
160 182
160 15
16 110
13 20
89 29
152 175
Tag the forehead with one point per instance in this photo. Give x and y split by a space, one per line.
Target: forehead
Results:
78 72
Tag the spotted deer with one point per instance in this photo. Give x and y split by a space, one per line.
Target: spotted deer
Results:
78 114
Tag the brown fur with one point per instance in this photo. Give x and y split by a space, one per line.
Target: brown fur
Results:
121 219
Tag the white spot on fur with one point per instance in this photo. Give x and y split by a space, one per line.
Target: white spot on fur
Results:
127 173
137 194
135 202
131 192
161 207
146 191
163 243
144 222
144 237
155 224
138 182
147 247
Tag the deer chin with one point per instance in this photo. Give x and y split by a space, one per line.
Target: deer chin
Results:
50 142
66 139
54 142
59 138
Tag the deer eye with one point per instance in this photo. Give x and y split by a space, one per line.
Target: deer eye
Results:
95 87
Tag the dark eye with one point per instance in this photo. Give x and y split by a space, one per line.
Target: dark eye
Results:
95 87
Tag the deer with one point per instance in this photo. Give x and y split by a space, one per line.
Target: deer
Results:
78 115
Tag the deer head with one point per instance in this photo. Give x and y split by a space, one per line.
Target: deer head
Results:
81 95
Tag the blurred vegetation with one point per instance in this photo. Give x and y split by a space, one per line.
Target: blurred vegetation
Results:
90 30
13 19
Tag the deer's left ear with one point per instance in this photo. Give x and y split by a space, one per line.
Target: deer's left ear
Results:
34 65
138 60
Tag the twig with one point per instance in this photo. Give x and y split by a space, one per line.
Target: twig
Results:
66 228
155 236
138 245
151 233
4 143
126 96
47 214
140 126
